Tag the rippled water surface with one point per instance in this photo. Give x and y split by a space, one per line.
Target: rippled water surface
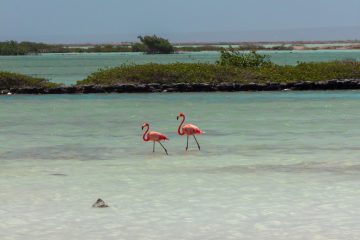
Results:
68 68
272 166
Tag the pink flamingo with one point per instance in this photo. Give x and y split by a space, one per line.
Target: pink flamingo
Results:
154 136
189 130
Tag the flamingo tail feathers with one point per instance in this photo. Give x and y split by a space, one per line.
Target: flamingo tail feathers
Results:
199 131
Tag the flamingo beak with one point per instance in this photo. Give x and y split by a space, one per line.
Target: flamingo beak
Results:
177 118
142 127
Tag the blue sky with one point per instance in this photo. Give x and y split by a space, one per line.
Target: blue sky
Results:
186 20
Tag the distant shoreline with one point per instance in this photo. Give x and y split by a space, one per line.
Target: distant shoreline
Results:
13 48
217 43
344 84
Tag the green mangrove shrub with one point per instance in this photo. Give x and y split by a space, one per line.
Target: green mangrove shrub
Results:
156 45
138 47
15 80
232 57
216 73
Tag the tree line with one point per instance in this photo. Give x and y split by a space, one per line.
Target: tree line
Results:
150 44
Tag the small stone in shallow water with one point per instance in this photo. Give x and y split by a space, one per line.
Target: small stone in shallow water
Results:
100 204
58 174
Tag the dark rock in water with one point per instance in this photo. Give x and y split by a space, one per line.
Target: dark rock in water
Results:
331 84
321 85
237 86
170 90
129 88
57 90
226 87
115 89
109 89
58 174
183 87
261 87
250 87
201 87
153 87
334 84
70 90
92 89
283 86
303 86
272 86
27 90
100 204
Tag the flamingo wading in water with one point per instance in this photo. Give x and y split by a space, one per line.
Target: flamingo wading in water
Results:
154 136
189 130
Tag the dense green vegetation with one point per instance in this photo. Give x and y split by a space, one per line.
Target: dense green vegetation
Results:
216 73
25 48
161 73
15 80
156 45
199 73
138 47
233 66
102 48
232 57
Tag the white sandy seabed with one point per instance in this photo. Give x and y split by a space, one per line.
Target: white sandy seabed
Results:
272 166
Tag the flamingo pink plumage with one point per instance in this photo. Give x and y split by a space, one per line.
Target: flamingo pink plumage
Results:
154 136
189 130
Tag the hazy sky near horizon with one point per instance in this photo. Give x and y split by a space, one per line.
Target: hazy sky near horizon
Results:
122 20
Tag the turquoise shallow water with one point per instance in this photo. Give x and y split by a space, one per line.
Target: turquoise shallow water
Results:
281 165
68 68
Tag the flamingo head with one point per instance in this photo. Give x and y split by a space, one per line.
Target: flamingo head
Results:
180 115
144 125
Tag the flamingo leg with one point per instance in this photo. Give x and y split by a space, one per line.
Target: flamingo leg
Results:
154 147
163 148
196 142
187 142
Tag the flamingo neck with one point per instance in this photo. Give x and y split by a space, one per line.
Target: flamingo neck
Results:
146 137
180 132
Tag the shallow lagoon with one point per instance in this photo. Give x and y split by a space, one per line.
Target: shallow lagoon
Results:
281 165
